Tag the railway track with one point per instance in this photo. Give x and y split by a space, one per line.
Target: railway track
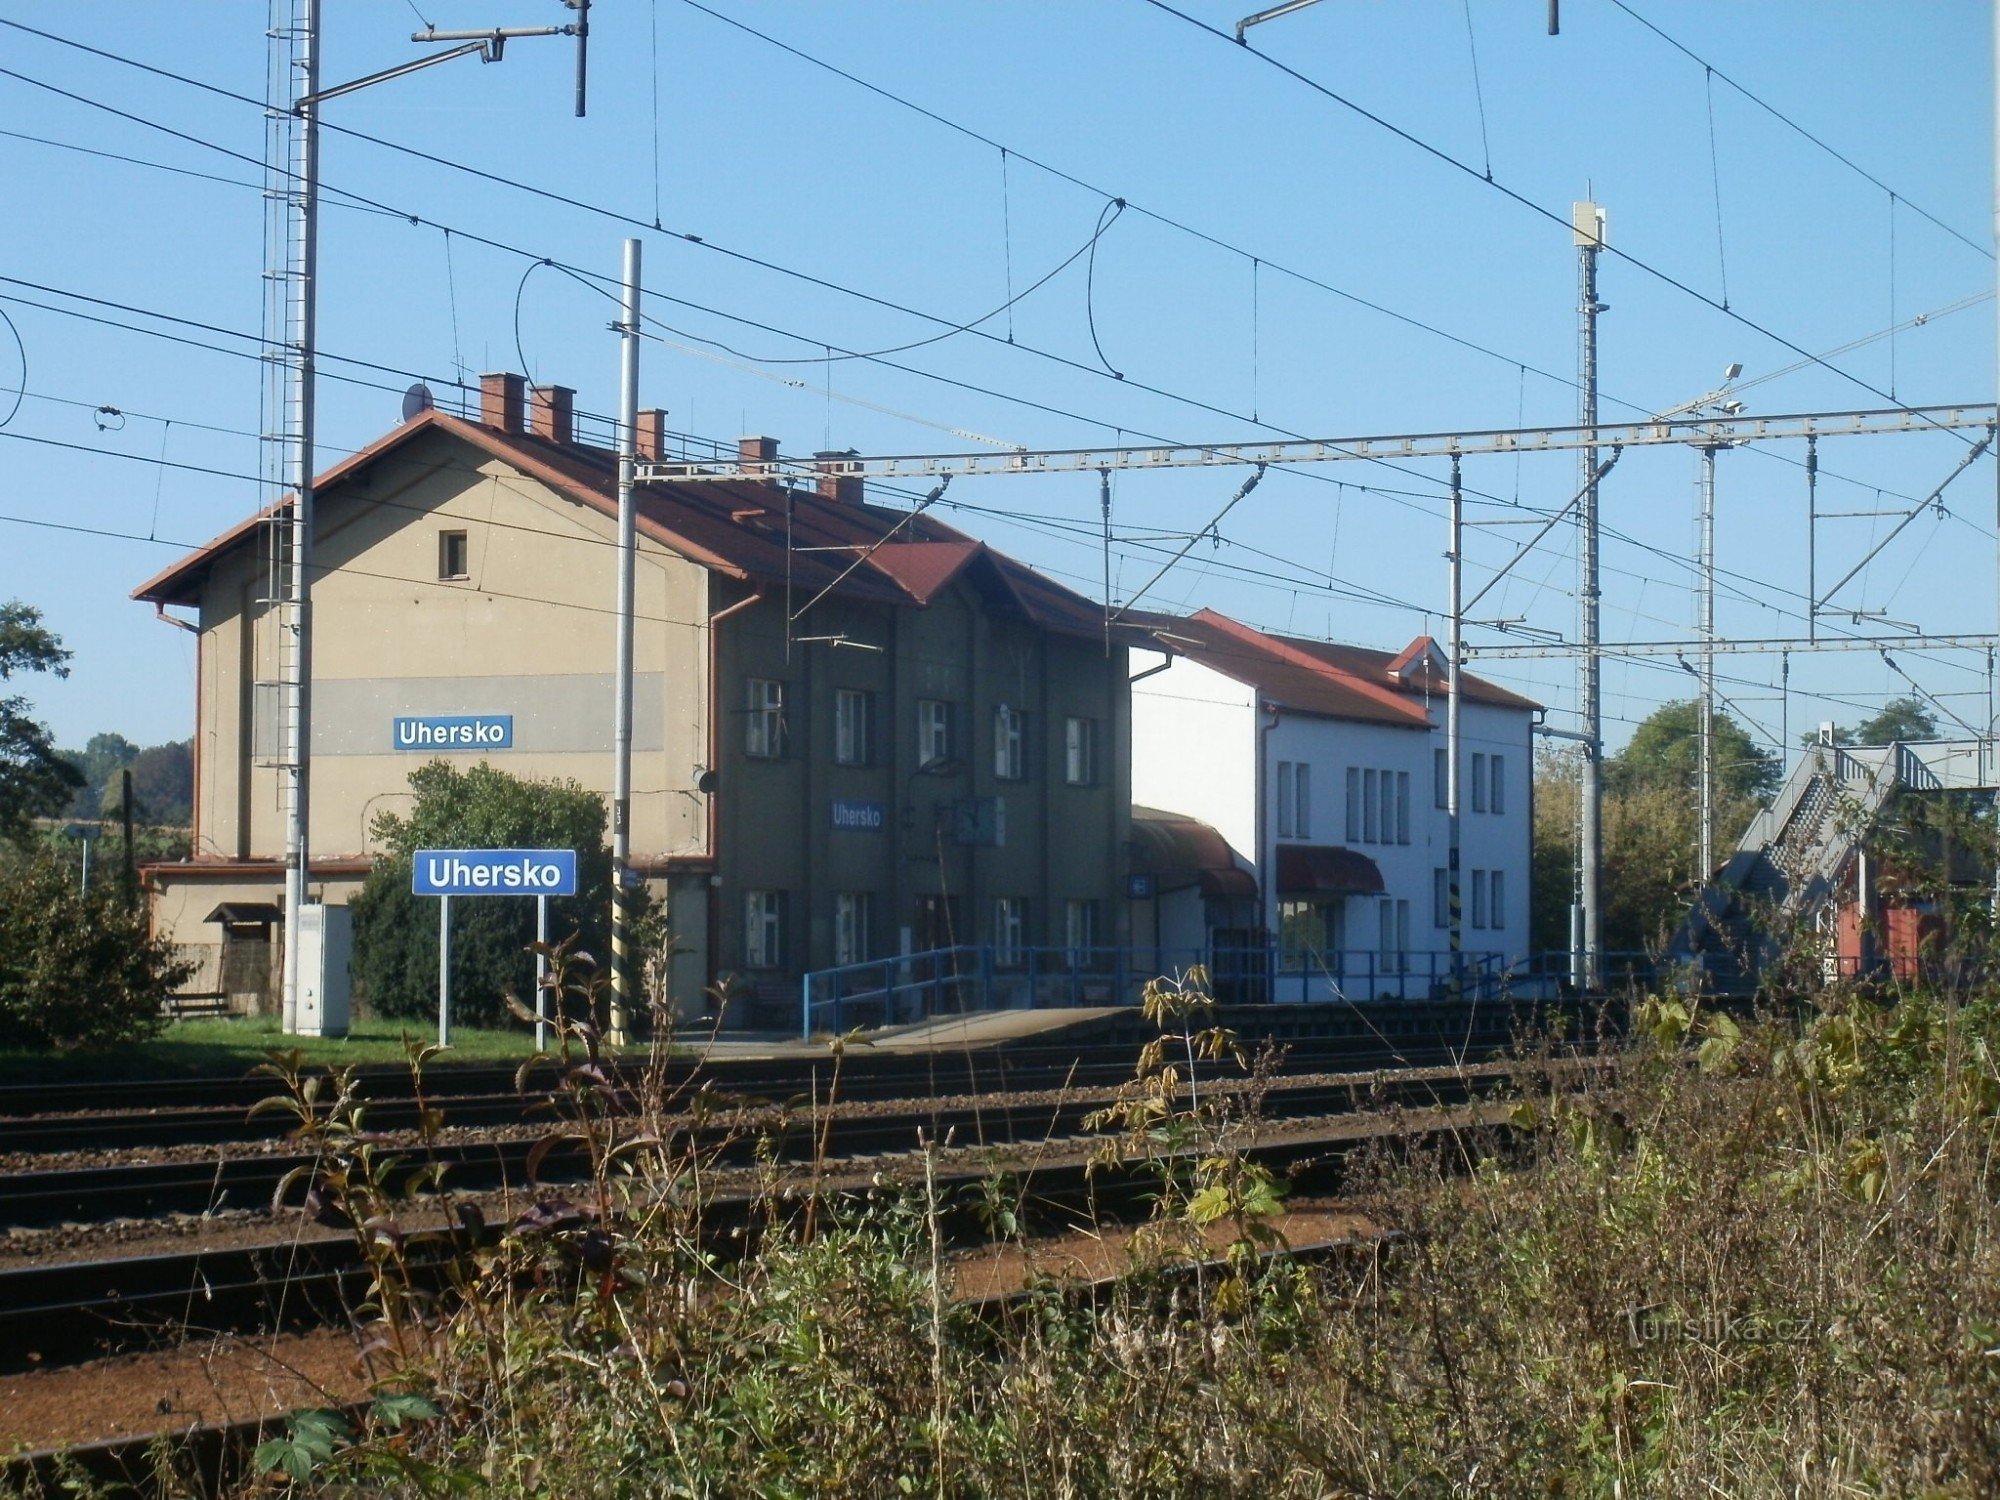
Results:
66 1313
94 1194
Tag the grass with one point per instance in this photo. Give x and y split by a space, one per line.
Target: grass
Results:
229 1048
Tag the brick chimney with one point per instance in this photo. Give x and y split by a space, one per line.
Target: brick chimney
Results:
756 455
834 485
552 414
651 438
502 401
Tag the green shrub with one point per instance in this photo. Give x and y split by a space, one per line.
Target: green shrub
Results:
395 963
77 969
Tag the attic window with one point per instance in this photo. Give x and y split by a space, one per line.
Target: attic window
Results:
452 555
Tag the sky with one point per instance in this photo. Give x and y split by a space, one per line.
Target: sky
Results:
1356 225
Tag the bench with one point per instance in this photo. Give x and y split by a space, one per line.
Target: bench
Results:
196 1003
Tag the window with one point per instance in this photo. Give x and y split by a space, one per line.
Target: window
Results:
1010 930
1010 743
763 929
1496 903
1394 920
1303 821
1286 793
1402 807
1440 780
453 555
1371 806
1310 934
1080 930
764 721
1441 897
853 727
850 927
1478 898
1497 800
1479 783
933 731
1080 752
1353 804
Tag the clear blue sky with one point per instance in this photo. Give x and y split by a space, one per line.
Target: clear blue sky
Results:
836 190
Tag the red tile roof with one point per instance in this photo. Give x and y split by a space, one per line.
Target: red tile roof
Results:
1319 677
738 528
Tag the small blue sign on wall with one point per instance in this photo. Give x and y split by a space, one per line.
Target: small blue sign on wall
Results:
1141 887
850 816
494 872
452 732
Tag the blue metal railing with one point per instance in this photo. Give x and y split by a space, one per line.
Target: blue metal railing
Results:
971 978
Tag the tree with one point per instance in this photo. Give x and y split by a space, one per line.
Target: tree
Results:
163 783
1665 750
1901 719
77 969
395 961
34 779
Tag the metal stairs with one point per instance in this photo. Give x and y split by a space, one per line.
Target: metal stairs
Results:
1790 860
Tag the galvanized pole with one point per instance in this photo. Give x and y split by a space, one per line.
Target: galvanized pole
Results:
1991 728
1451 721
542 975
1585 973
297 769
1706 707
621 787
444 971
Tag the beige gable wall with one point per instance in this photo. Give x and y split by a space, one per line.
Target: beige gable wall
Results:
530 633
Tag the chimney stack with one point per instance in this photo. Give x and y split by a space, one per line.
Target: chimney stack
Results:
552 414
756 455
833 484
502 400
651 438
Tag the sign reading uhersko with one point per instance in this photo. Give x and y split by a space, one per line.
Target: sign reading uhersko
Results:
858 817
494 872
453 732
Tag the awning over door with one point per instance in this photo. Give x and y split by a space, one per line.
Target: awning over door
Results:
1326 870
246 914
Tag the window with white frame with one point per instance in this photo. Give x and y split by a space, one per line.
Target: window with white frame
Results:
764 718
1353 804
1441 897
1393 918
1286 792
1478 898
933 731
763 929
850 927
853 726
1371 806
1496 800
1440 780
1010 743
1010 930
1479 783
1496 900
1080 752
1402 807
1080 931
1302 821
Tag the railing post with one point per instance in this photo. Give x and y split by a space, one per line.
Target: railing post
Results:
1123 970
986 977
806 1008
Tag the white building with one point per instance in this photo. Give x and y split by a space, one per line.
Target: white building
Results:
1323 768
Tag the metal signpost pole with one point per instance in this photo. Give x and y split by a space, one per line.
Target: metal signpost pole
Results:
621 782
444 971
542 975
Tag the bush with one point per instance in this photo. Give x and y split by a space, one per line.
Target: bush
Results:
395 963
77 969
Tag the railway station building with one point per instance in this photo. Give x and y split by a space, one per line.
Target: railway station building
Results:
1293 812
857 731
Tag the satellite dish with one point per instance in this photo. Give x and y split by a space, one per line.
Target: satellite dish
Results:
416 401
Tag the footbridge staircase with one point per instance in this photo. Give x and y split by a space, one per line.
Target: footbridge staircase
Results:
1790 861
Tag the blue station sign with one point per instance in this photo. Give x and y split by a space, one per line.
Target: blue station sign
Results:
452 732
494 872
850 816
